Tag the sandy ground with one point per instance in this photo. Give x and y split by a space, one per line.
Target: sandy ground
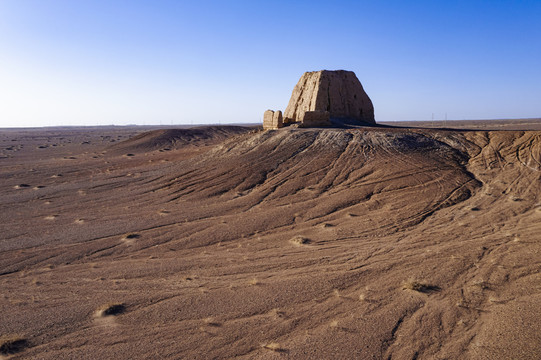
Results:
502 124
229 242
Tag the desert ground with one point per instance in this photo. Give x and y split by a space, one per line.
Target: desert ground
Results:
225 242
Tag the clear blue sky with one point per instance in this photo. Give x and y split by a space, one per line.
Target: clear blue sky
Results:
88 62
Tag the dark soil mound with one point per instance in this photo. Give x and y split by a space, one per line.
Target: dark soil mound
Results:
169 139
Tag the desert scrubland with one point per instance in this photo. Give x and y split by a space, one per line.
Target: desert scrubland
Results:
232 242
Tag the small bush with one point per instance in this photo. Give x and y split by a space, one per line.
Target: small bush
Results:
419 286
273 347
12 344
300 240
132 236
111 309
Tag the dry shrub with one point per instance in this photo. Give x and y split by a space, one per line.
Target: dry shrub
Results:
419 286
132 236
211 322
111 309
12 344
273 347
300 240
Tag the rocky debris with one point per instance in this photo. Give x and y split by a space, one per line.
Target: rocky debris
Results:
338 92
272 120
315 119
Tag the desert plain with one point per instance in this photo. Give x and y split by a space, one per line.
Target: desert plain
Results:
221 242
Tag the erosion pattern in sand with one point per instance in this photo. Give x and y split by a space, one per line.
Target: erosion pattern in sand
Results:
302 243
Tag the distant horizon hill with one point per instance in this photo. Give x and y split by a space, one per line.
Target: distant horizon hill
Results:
481 124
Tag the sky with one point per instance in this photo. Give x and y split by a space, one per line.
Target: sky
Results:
103 62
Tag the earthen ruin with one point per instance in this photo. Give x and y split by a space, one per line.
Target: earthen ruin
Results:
272 119
321 97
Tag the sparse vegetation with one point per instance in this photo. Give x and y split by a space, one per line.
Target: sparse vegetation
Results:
278 313
211 322
419 286
12 344
300 240
111 309
22 186
132 236
481 284
273 346
222 278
